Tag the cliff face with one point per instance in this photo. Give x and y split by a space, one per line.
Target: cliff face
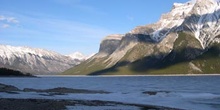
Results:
110 44
185 40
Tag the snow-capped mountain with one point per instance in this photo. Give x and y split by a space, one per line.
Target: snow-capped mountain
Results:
200 17
33 60
186 40
203 21
79 56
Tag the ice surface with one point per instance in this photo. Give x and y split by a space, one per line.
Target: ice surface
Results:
194 93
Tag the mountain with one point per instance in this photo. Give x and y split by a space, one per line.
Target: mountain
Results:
184 41
79 56
34 61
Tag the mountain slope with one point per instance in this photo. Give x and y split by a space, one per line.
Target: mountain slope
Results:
185 40
34 61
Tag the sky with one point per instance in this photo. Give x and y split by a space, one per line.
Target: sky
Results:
67 26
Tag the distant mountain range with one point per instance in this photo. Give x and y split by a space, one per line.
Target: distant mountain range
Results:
184 41
36 61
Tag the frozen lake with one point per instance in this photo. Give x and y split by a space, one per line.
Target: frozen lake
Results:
185 92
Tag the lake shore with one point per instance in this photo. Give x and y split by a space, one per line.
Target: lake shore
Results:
49 104
126 75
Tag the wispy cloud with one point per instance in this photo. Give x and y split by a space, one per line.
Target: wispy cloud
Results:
52 25
8 19
50 31
12 20
5 26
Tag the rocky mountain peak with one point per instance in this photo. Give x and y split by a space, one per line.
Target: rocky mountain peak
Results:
167 22
202 21
202 7
171 20
205 2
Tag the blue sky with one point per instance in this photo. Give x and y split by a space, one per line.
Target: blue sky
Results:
66 26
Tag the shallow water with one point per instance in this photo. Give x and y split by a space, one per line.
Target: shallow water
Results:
185 92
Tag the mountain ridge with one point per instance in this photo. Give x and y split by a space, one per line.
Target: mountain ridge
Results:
34 60
179 39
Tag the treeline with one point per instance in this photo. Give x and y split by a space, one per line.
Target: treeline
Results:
9 72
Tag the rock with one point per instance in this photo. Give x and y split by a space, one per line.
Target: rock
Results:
8 88
155 92
49 104
62 90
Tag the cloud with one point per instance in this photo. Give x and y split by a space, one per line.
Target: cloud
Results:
46 31
5 26
12 20
2 18
48 28
8 19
